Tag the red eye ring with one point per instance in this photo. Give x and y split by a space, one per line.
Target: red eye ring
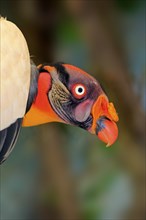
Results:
79 91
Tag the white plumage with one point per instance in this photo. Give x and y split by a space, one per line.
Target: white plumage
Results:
14 73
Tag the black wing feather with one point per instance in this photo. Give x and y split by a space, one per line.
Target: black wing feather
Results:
8 139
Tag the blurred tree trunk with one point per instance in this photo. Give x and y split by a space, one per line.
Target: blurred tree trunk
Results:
97 26
55 169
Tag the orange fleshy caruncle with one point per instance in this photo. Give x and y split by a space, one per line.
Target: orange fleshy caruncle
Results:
104 118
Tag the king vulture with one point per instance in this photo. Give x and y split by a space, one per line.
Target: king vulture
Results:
31 95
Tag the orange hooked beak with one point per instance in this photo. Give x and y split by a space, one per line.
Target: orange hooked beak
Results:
104 120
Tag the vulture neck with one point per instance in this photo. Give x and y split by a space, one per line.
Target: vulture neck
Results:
39 110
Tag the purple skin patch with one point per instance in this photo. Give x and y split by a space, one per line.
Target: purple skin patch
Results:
83 110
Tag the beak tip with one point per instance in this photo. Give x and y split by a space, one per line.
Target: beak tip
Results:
108 145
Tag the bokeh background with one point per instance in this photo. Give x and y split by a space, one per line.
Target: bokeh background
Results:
62 172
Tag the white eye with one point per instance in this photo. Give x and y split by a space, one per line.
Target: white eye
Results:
79 91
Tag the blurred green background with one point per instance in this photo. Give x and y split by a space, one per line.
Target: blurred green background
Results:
62 172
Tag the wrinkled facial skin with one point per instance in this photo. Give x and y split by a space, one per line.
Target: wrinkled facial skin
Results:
73 109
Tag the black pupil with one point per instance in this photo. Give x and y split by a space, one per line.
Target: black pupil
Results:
80 90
